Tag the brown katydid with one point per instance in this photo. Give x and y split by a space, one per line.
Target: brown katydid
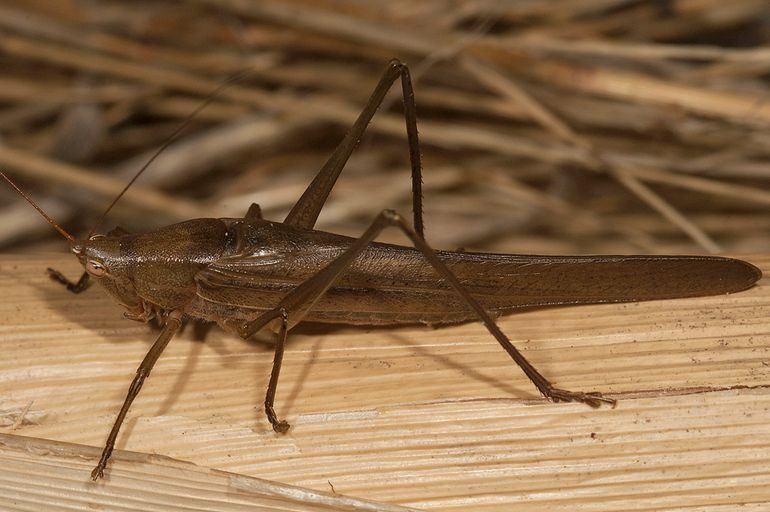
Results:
248 273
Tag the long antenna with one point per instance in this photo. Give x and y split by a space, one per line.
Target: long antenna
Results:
209 98
40 210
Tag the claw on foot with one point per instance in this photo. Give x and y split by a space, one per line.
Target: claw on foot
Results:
98 472
593 399
281 426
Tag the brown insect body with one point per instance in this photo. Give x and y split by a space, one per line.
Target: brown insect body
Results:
247 274
230 270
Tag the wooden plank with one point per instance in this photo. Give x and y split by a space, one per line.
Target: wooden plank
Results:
432 419
39 474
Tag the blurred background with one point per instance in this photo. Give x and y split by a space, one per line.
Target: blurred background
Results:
564 126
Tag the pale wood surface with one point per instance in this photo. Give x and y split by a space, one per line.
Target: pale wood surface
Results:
430 419
39 474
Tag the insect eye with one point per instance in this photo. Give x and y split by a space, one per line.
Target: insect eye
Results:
96 237
95 268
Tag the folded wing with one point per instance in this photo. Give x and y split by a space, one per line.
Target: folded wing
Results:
391 284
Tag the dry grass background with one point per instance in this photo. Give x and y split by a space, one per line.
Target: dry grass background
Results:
566 126
609 126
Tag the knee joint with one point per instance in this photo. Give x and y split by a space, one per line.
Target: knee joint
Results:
391 216
397 64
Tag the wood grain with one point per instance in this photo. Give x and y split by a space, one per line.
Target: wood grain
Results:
39 474
431 419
